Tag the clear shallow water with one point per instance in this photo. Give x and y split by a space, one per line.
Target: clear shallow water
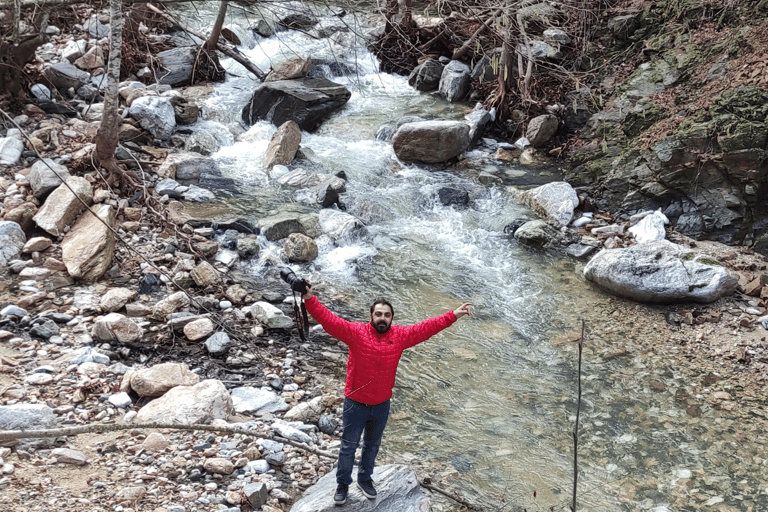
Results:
488 406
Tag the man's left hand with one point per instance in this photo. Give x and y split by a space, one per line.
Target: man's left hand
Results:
464 309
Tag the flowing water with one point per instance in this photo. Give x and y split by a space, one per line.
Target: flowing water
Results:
490 403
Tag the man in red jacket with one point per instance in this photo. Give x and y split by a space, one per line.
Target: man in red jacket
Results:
374 353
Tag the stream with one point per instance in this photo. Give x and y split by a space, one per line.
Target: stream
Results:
488 405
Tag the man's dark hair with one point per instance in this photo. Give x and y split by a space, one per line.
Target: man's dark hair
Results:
385 303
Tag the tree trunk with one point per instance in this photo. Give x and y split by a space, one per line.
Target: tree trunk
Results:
213 39
106 137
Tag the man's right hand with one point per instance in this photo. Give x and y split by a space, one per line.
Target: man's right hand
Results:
308 294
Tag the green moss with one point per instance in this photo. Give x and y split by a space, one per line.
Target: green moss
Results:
706 260
636 123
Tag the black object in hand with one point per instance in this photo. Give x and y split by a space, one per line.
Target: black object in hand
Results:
296 283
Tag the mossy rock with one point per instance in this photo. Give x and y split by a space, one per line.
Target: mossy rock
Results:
636 122
699 136
744 136
745 102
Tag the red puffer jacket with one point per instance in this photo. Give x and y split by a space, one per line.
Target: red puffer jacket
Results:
373 357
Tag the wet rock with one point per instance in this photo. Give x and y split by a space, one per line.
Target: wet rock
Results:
477 120
306 179
186 165
431 141
299 247
451 196
339 225
426 76
455 81
307 101
556 201
536 233
293 67
283 145
281 225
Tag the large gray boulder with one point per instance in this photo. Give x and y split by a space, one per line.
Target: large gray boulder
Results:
660 272
307 101
431 141
398 491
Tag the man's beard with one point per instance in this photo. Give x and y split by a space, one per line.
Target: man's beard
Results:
382 327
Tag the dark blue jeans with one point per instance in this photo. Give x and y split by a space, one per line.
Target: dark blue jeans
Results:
356 419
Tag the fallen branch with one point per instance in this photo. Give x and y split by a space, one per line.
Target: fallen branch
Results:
459 53
222 47
425 484
11 435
